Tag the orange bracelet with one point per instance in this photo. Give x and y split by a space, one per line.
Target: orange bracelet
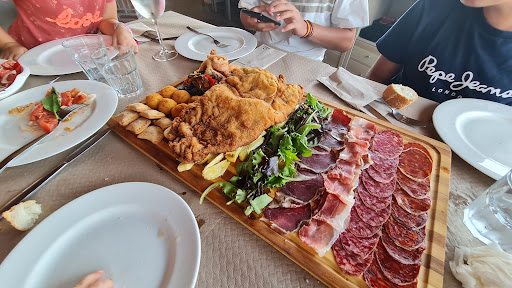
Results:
309 29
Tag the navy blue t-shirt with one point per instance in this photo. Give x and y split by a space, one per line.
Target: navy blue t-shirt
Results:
447 50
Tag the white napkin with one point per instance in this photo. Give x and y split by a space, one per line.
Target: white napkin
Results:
354 90
486 266
137 29
261 57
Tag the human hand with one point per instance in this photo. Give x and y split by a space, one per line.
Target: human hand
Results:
253 23
291 16
12 51
123 37
93 281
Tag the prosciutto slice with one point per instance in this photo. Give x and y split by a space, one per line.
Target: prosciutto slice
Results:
288 219
320 161
305 190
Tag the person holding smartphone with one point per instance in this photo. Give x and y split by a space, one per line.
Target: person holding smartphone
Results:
308 28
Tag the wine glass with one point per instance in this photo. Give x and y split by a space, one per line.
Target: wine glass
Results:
153 9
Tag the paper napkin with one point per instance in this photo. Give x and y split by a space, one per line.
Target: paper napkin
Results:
354 90
261 57
137 29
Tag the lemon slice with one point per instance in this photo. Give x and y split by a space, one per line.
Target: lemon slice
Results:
216 170
215 160
231 156
248 148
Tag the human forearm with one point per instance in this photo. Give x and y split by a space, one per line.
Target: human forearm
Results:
9 47
5 38
383 70
339 39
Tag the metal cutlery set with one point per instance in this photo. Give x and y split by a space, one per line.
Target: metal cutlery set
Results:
151 35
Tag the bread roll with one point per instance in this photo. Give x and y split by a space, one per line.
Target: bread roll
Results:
24 215
399 96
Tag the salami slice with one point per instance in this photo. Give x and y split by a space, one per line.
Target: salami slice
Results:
407 219
410 145
383 176
417 189
350 263
359 245
402 255
387 144
405 237
375 278
369 216
410 204
359 228
396 271
382 163
376 188
372 202
415 164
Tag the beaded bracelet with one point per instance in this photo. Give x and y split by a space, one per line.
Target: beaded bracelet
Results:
309 29
125 26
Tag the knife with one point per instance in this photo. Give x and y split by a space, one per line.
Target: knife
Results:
27 192
260 17
375 113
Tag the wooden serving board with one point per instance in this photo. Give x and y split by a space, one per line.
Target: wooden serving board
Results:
325 268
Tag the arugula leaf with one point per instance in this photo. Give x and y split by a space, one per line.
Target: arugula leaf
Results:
52 102
258 203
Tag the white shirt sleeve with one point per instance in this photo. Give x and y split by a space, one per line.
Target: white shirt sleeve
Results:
248 4
349 14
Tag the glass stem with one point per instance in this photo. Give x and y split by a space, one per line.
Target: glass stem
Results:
163 50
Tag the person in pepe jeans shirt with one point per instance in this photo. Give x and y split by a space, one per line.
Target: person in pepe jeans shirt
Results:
43 21
308 27
446 49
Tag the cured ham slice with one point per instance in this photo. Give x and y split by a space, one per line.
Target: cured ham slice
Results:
387 144
318 235
343 191
333 211
288 219
361 246
344 172
397 272
348 262
305 190
404 256
339 121
320 161
375 278
354 151
332 142
362 129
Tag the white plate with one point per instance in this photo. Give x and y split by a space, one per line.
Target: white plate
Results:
84 123
196 46
18 82
140 234
479 131
51 58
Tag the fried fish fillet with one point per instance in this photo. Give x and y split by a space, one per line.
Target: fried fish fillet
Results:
232 113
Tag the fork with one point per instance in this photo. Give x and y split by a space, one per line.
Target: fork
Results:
402 118
62 113
217 42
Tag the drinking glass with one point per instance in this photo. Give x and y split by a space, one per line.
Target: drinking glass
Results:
489 217
117 64
153 9
80 48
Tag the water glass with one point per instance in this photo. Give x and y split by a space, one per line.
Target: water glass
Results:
118 66
80 48
489 217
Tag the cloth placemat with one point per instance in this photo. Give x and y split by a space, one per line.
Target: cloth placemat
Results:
137 29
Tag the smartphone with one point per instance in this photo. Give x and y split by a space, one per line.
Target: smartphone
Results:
260 17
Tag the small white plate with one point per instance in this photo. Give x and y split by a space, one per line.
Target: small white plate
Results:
196 46
18 82
140 234
51 58
479 131
82 125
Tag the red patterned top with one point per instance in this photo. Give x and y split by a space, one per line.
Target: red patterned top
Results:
40 21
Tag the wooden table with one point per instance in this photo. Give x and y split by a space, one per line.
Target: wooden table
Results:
231 256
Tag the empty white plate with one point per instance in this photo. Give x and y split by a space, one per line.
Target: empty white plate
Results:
479 131
140 234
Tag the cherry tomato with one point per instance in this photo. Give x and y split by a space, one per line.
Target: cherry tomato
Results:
80 98
37 113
